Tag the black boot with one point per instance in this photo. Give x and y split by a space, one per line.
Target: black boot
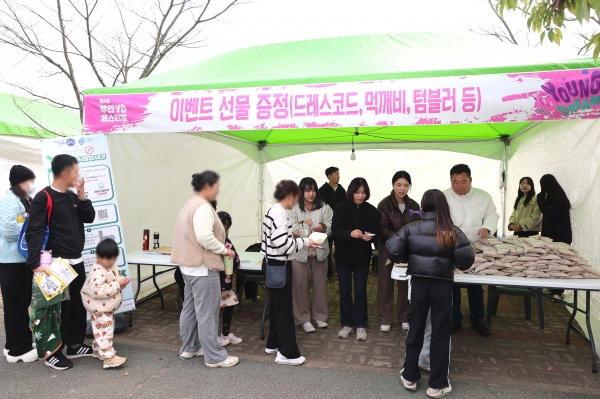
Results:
480 327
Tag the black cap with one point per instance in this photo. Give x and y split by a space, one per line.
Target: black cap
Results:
19 174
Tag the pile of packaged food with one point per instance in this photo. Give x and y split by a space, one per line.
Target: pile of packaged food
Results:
531 257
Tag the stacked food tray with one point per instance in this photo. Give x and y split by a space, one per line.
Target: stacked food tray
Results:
531 257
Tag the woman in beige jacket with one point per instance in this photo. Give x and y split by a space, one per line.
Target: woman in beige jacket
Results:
311 214
526 215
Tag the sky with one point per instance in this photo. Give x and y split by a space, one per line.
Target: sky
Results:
269 21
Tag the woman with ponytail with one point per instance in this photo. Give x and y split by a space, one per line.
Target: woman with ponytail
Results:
432 247
15 276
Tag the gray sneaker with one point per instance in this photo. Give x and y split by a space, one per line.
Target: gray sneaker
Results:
345 332
361 334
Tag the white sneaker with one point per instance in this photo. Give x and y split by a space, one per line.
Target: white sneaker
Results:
405 326
280 359
28 357
190 355
361 334
270 351
411 386
345 332
385 328
308 327
438 393
321 324
229 362
233 340
223 342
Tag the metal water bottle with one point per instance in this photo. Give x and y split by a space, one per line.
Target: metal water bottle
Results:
146 244
156 244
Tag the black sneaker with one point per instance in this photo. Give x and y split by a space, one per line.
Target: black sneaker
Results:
58 361
480 327
82 351
456 327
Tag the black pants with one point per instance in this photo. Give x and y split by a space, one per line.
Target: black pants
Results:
476 306
227 316
282 331
353 313
15 283
73 315
436 294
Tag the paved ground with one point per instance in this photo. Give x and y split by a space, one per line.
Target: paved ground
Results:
517 356
156 373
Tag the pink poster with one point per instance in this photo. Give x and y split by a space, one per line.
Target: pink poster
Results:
518 97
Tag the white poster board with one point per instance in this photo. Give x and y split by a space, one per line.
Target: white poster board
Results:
95 167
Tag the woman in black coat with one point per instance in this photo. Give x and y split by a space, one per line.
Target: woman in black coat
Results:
432 248
555 208
354 226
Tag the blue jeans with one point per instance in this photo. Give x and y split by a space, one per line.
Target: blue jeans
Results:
476 306
353 313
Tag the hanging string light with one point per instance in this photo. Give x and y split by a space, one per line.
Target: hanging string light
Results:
353 155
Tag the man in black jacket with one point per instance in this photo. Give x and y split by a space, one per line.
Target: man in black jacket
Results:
333 193
66 240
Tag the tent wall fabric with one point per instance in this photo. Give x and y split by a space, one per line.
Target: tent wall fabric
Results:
153 175
22 151
571 152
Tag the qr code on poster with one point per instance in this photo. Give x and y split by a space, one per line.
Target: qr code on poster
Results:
102 214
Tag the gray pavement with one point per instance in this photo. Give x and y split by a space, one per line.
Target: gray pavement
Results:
159 373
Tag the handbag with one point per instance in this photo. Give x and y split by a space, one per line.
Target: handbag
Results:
275 276
22 242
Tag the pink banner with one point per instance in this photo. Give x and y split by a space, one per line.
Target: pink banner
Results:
518 97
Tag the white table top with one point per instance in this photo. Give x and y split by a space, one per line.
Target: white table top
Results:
250 261
399 273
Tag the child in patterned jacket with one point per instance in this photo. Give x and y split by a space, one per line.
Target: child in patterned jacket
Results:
101 295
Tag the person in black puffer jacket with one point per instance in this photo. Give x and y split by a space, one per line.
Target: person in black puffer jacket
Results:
432 247
354 226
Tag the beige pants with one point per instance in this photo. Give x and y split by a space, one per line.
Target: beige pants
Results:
385 296
318 271
103 326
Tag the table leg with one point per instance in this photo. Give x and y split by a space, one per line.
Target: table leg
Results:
570 325
162 302
137 292
590 333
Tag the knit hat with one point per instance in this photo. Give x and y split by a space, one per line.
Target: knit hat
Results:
19 174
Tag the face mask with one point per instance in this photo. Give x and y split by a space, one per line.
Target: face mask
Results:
31 189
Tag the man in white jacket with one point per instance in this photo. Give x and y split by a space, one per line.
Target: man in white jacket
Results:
475 213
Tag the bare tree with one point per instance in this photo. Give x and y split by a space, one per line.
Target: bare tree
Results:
77 38
503 32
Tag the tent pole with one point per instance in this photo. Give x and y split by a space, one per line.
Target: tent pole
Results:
504 173
261 184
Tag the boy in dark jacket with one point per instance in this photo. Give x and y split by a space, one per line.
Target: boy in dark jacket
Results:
432 248
69 212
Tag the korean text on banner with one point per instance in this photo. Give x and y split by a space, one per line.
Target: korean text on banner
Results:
95 167
515 97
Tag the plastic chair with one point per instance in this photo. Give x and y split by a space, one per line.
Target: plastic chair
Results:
494 293
259 280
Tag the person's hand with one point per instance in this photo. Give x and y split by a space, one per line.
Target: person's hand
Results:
123 281
318 228
41 269
483 233
356 234
230 253
296 233
309 222
366 236
312 244
517 227
81 189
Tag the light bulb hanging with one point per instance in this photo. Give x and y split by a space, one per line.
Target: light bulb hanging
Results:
353 155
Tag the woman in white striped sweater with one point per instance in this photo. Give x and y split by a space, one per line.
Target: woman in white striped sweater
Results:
279 247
